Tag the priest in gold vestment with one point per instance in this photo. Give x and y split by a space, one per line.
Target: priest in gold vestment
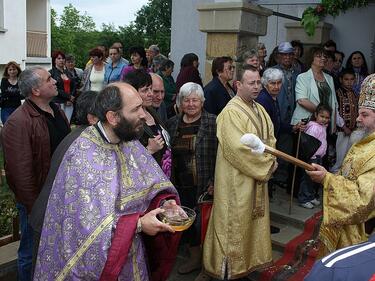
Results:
348 197
238 236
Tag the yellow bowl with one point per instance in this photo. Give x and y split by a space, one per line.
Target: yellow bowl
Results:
177 220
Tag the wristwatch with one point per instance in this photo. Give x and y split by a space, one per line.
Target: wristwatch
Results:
139 226
162 202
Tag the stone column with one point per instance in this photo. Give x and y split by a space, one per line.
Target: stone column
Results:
232 28
295 31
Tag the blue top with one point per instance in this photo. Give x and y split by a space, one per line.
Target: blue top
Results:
113 74
272 107
216 96
347 264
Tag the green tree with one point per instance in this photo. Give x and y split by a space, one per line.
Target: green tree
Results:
56 36
108 35
73 21
130 36
76 33
311 16
153 23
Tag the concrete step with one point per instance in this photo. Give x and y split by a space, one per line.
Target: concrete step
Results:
279 241
287 233
8 261
279 210
291 225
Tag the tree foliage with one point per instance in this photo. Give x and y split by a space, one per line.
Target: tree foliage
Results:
153 22
75 32
312 16
72 20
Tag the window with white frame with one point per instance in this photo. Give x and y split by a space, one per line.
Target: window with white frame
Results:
2 15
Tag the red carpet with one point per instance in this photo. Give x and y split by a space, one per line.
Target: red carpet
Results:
299 255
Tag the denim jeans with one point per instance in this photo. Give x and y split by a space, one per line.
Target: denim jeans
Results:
6 112
68 110
25 249
308 189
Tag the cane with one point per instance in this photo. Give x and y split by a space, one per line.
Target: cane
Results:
294 174
303 121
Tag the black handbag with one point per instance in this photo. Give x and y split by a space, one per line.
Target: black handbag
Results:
308 145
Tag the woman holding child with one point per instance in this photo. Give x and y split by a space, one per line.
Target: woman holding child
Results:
315 87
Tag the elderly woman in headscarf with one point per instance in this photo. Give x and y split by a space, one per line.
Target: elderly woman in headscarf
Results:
194 146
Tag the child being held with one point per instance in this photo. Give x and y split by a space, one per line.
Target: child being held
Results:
307 196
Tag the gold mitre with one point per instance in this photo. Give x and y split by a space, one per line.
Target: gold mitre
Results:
367 95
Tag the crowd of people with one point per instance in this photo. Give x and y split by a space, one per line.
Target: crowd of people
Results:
94 156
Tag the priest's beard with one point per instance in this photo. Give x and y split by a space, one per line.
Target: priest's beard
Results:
363 131
127 130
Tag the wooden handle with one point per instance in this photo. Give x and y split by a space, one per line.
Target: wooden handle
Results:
289 158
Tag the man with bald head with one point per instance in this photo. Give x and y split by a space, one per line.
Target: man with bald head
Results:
101 219
158 94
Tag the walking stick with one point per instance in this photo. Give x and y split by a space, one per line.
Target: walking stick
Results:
294 174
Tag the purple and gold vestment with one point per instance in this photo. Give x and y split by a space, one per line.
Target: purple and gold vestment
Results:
96 184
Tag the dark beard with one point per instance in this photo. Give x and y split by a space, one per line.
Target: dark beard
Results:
125 131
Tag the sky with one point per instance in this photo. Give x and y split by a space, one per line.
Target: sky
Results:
117 12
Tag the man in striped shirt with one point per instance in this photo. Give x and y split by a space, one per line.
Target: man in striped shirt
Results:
350 263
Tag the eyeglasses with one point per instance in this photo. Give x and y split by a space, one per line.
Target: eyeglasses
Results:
232 67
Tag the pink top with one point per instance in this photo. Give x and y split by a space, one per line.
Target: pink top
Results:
128 69
320 132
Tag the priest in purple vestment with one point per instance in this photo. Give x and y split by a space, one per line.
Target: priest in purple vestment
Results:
101 219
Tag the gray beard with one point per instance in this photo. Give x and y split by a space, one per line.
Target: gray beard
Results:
362 133
365 134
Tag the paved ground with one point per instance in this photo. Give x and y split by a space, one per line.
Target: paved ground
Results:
182 257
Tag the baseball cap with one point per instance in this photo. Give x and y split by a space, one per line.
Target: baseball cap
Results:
285 48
